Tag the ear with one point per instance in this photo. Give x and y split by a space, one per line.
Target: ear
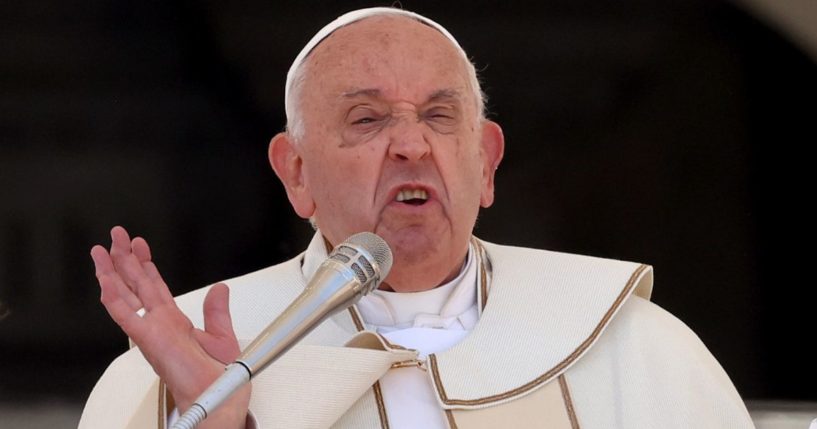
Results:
493 148
288 165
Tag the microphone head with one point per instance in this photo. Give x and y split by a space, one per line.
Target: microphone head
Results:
368 255
377 248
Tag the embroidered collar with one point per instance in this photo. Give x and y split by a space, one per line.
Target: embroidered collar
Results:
546 310
449 306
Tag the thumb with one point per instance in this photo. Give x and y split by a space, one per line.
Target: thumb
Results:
217 320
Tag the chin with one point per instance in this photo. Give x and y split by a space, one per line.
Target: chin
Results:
417 268
413 247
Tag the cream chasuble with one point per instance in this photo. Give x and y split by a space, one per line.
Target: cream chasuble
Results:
560 341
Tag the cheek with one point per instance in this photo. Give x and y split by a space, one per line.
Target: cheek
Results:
469 156
348 177
463 174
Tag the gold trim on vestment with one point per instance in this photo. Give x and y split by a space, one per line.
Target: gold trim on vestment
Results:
432 359
378 393
571 412
449 415
381 407
482 260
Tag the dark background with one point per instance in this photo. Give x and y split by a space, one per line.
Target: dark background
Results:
674 133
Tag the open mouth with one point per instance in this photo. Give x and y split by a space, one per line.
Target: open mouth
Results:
414 197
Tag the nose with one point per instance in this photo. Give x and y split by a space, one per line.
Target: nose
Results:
407 141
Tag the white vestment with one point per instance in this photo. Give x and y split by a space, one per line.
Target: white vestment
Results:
562 341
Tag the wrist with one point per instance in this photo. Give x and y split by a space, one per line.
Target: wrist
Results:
233 413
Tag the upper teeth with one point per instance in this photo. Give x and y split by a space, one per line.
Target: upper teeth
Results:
408 194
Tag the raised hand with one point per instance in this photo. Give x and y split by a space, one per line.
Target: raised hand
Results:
186 358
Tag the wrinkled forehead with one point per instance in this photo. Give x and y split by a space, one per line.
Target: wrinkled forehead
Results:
346 20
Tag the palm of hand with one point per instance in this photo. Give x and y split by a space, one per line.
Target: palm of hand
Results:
188 359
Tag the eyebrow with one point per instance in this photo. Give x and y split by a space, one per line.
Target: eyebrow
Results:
444 94
440 94
368 92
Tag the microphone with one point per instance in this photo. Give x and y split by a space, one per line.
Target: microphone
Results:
353 269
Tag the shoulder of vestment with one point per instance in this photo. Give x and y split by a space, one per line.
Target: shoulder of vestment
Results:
651 370
544 311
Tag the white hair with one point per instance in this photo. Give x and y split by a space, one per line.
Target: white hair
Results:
297 72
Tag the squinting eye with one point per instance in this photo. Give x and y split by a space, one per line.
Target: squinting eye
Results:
442 116
364 116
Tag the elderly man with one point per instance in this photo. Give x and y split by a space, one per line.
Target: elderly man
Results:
386 133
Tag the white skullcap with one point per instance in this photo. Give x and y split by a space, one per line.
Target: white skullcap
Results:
346 19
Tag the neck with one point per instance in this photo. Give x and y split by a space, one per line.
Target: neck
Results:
415 281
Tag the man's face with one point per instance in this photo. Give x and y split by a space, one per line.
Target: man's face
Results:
393 144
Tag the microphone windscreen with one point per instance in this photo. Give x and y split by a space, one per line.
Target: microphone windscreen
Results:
376 247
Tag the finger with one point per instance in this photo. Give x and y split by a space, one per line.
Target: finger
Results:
104 268
120 242
142 252
218 338
217 320
102 261
122 256
120 252
141 249
221 349
154 275
119 310
150 291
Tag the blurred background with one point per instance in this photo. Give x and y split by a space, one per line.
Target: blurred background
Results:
669 132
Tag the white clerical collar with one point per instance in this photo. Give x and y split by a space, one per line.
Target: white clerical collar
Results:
449 306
